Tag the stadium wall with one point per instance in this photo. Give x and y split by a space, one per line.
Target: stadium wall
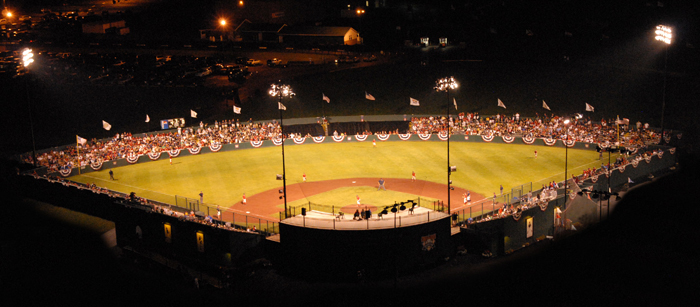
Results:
343 254
320 140
504 235
222 247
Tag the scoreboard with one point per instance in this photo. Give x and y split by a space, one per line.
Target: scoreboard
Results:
172 123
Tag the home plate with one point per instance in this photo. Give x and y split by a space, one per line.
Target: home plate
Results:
247 212
353 182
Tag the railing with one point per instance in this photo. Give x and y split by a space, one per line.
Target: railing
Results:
387 221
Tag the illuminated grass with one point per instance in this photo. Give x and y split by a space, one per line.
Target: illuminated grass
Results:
225 176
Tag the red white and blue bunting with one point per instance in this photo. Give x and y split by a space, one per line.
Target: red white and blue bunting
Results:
660 154
65 172
405 137
361 137
569 143
132 158
488 137
622 168
648 159
256 144
318 139
594 179
466 137
154 155
194 150
667 138
383 137
549 141
276 141
633 151
508 139
299 141
215 146
672 150
528 139
543 205
338 138
442 136
635 163
679 135
97 165
174 153
517 216
424 136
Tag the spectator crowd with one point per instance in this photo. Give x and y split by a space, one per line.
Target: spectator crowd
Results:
125 145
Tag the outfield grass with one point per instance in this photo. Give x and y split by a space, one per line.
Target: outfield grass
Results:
225 176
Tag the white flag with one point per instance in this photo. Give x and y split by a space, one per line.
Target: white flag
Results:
544 105
328 100
236 110
414 102
629 180
500 104
368 96
281 106
193 114
589 107
148 119
455 102
80 140
106 125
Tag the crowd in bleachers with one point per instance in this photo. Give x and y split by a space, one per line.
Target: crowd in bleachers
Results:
580 130
125 144
232 131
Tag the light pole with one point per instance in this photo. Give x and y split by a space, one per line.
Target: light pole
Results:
445 85
282 90
28 59
664 34
566 160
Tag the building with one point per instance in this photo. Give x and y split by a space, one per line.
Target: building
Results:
320 35
258 32
106 27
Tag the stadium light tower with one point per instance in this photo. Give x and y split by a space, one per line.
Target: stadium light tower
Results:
279 91
445 85
27 60
664 34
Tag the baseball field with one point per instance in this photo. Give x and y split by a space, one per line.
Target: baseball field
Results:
337 173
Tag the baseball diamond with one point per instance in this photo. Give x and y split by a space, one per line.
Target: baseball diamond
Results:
226 175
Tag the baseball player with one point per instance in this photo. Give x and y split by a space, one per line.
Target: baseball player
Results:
413 176
358 200
303 177
243 201
374 143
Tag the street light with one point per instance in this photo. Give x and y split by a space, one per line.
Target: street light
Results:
28 59
279 91
445 85
664 34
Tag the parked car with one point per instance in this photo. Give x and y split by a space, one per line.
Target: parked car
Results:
276 63
253 62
